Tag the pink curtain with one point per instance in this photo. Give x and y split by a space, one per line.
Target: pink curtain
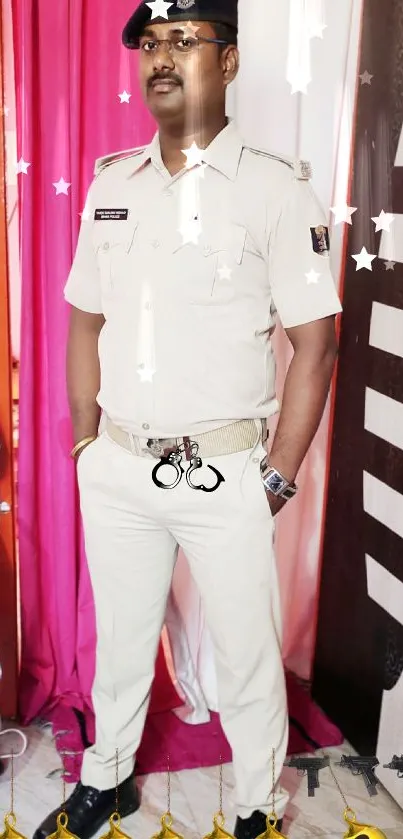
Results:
70 69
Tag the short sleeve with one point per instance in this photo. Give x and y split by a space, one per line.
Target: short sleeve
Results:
83 285
300 276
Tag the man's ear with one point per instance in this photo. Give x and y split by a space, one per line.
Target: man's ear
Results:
230 63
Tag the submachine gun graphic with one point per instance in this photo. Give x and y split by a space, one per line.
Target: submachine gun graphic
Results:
396 764
363 766
311 766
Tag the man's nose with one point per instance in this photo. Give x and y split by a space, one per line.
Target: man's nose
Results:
163 57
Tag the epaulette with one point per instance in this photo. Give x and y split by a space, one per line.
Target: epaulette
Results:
301 168
103 162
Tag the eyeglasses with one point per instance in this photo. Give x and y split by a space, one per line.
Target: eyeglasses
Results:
180 44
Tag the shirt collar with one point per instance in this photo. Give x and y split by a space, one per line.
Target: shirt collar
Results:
223 153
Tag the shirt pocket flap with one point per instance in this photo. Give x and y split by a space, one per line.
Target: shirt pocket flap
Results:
238 240
109 235
214 241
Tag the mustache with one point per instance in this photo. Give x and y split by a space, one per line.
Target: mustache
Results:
159 77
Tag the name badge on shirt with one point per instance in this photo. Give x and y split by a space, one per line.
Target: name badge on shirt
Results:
320 239
111 215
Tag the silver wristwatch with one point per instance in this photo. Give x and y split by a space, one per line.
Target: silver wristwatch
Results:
275 483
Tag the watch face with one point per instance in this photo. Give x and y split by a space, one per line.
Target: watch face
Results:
276 482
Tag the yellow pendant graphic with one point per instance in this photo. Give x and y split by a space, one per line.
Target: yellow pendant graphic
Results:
62 832
10 832
219 832
114 831
357 829
166 832
271 832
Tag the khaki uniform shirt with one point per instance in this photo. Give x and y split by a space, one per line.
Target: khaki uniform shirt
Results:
190 272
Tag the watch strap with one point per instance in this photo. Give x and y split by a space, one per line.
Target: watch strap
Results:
287 492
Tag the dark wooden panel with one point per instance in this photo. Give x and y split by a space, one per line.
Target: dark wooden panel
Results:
359 648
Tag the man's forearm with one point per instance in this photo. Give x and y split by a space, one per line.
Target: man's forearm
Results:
85 419
83 379
305 393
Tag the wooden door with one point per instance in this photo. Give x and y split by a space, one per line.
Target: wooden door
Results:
8 566
358 674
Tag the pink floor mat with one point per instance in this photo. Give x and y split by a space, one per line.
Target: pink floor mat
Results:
191 746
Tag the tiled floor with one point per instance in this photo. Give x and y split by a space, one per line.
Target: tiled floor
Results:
194 799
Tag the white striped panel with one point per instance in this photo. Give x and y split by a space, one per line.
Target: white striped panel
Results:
384 417
385 589
383 503
386 331
391 246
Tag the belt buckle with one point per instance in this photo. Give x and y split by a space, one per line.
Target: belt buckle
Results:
158 450
155 447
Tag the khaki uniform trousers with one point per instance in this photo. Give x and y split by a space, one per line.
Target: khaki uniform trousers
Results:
132 532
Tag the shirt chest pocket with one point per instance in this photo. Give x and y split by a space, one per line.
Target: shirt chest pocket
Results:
114 244
210 273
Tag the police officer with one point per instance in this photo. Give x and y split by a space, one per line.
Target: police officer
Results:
193 247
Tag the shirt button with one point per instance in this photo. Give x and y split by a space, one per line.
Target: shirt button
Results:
207 250
106 246
155 243
256 460
168 193
146 426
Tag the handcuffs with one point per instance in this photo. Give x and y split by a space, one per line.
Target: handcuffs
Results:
174 458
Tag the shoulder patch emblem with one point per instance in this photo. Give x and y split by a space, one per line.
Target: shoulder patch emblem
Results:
303 170
320 239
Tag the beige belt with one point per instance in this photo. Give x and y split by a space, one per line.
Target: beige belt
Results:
237 437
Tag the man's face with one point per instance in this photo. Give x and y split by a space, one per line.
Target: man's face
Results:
180 84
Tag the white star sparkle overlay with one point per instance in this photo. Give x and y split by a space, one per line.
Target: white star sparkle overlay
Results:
194 156
86 214
389 265
146 373
383 221
125 97
159 8
342 212
300 87
306 21
366 77
364 259
225 272
312 277
22 167
62 187
87 211
317 29
191 29
190 231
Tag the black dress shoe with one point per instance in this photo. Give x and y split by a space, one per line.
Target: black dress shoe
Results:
253 826
89 808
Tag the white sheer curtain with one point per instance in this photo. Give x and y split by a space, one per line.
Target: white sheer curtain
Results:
295 45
